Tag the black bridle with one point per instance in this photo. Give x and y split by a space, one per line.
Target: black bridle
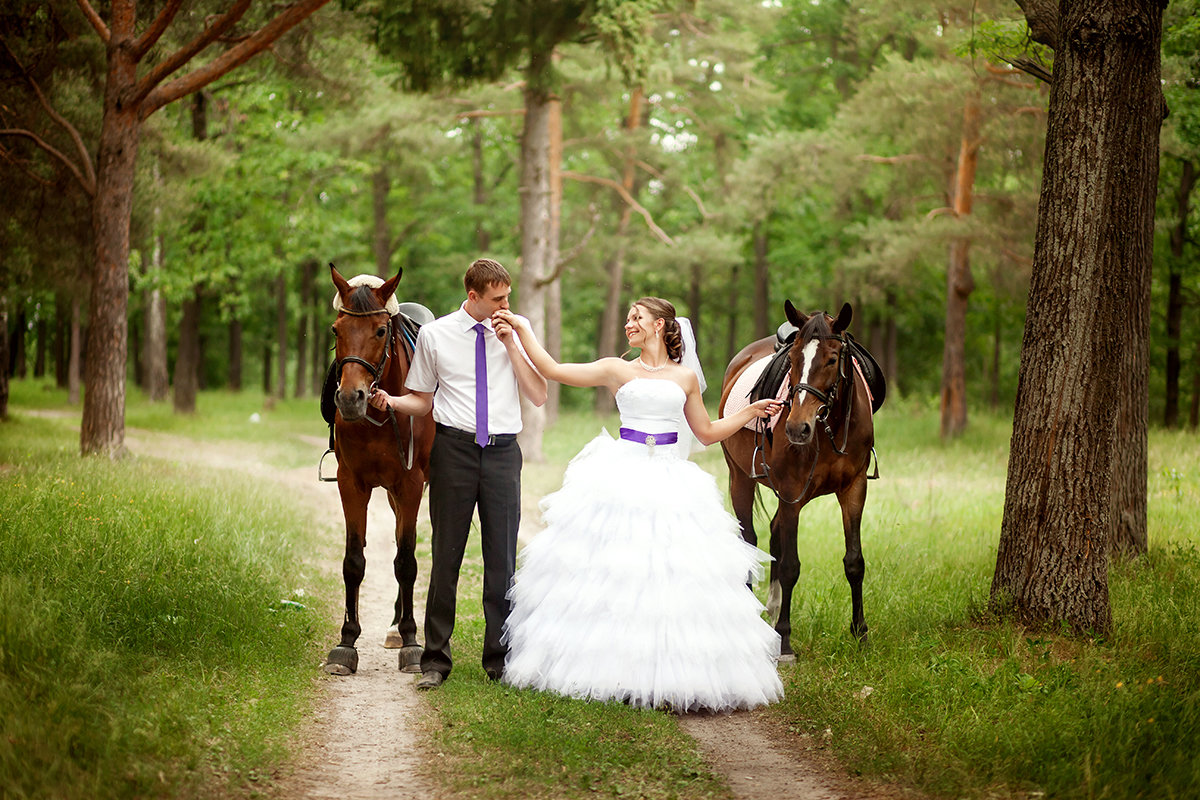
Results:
827 398
377 371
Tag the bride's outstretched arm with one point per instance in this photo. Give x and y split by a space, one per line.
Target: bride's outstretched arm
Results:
595 373
711 431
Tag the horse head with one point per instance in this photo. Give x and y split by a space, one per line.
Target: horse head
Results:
818 369
363 336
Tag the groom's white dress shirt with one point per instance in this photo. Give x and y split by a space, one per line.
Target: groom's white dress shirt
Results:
444 364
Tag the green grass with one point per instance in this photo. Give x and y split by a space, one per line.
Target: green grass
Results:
158 630
961 705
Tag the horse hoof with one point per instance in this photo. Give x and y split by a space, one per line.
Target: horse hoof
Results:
786 658
410 658
341 660
393 640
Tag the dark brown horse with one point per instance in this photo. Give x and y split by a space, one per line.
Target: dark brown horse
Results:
374 449
821 444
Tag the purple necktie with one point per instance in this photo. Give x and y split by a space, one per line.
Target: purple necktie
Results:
481 399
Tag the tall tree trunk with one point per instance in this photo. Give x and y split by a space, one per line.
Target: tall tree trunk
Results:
731 313
155 353
483 238
74 361
39 348
762 311
62 319
959 280
1194 411
235 354
102 429
308 271
553 282
266 376
614 311
281 344
539 238
17 365
187 359
1187 182
3 358
318 345
1092 258
381 184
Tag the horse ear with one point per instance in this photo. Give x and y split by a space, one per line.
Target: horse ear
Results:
385 292
843 318
793 316
342 285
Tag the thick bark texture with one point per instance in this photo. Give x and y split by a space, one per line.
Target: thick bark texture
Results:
1085 316
102 430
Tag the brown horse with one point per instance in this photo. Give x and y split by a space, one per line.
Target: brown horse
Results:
392 452
821 445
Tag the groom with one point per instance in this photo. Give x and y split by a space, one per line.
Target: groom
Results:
472 373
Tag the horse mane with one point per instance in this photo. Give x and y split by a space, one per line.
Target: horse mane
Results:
362 299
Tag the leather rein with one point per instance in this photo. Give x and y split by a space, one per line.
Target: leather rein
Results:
377 371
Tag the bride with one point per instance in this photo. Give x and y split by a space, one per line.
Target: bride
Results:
636 589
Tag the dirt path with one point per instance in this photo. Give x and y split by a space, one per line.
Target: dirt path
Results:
366 739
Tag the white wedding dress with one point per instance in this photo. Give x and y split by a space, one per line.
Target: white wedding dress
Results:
636 589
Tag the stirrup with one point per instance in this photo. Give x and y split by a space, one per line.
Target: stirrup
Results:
874 477
320 463
754 460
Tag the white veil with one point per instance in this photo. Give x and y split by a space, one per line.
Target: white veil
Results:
688 443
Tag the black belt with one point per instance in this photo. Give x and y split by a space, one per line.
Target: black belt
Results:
467 436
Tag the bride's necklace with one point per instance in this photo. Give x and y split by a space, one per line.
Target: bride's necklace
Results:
649 368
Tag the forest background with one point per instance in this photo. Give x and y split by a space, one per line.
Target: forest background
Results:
731 156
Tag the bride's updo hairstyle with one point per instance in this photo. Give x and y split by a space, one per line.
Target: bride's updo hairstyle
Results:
662 309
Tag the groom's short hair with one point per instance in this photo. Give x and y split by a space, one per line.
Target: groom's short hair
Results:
484 273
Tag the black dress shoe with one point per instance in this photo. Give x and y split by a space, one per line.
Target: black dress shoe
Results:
430 680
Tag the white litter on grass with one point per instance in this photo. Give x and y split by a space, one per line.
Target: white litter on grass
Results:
255 418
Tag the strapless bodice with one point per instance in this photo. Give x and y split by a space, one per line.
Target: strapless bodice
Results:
651 405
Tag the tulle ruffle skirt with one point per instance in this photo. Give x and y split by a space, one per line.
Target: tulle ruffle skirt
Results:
636 590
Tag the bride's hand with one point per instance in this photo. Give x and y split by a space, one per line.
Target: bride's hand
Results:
765 408
505 322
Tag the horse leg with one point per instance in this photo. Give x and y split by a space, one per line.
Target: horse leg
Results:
741 494
343 659
787 557
852 500
403 632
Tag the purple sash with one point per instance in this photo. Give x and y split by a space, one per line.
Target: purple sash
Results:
630 435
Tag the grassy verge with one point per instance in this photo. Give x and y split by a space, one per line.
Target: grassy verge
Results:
158 630
960 705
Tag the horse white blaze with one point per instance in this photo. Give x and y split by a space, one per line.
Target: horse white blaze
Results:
809 355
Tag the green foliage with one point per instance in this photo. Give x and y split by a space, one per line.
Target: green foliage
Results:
156 627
